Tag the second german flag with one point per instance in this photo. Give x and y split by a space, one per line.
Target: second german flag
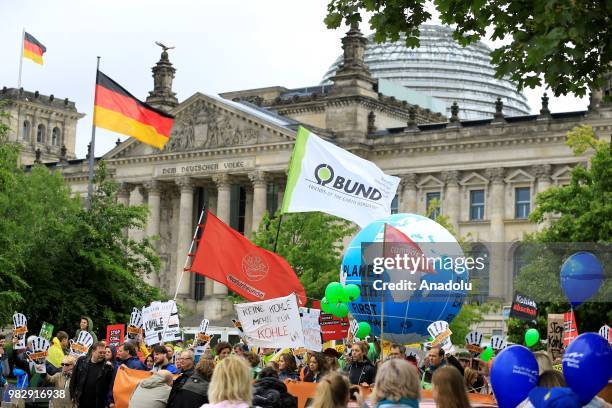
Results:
117 110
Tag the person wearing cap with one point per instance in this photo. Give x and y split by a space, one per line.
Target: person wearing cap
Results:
331 357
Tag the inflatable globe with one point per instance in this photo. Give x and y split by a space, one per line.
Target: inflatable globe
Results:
437 290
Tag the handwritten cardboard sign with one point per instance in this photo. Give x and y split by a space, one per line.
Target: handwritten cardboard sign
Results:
555 335
161 322
273 323
312 328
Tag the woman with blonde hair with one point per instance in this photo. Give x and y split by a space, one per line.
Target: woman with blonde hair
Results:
230 386
332 392
397 385
448 388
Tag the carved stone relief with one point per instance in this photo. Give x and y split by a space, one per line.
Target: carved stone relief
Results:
202 126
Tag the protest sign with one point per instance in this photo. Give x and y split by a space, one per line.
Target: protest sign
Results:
332 327
115 334
555 336
606 332
273 323
135 326
46 331
161 322
202 337
20 328
570 329
523 307
311 328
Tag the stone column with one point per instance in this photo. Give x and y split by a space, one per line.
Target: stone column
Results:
281 185
123 194
542 173
248 212
259 180
154 202
496 232
451 200
185 233
223 212
408 202
136 199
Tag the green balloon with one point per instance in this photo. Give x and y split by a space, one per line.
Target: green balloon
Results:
486 354
340 310
364 330
344 298
532 336
333 292
352 291
325 305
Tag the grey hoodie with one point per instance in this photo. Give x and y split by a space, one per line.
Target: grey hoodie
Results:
151 393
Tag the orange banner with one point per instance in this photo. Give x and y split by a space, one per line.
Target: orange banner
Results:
126 382
304 391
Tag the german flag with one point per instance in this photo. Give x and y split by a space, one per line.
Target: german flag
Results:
33 49
117 110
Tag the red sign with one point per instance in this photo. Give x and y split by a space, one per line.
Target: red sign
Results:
570 330
114 334
332 327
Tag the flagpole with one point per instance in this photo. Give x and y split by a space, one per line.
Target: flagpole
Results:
382 308
189 253
280 220
21 58
187 260
92 146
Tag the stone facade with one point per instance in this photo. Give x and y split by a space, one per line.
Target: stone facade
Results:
230 155
45 126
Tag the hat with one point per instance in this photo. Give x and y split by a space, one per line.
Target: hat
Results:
558 397
331 352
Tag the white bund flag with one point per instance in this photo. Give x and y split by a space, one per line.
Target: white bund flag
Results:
323 177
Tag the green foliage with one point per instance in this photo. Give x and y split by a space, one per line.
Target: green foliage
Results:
562 43
57 260
311 243
581 213
460 326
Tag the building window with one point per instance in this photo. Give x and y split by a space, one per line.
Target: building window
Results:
238 208
199 287
55 136
477 205
480 276
522 202
40 134
272 198
432 198
25 132
519 260
394 205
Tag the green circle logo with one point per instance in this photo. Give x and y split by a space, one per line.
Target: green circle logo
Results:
324 173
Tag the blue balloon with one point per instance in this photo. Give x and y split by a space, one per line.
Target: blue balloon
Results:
581 276
587 365
407 313
514 374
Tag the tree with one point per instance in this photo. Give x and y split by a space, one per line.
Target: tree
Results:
60 261
581 214
565 44
311 243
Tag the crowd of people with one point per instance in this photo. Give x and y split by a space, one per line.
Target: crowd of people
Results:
237 376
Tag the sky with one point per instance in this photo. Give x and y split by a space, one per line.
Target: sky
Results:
221 46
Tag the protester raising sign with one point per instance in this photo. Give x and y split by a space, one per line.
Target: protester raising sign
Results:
161 322
273 323
523 307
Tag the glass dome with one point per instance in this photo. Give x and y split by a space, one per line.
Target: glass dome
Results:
443 69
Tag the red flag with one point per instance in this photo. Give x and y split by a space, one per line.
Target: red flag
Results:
570 330
226 256
396 242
